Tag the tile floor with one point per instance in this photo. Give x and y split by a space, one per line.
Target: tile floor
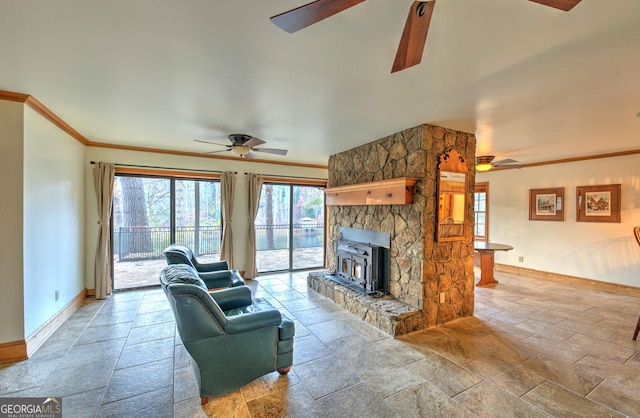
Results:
533 348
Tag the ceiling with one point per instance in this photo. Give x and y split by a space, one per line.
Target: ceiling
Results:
533 83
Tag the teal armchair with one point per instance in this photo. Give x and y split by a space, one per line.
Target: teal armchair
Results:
231 338
215 275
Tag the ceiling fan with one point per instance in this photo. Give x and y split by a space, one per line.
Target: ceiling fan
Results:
486 163
414 35
244 146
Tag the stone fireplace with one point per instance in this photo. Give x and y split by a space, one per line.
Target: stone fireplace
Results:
430 282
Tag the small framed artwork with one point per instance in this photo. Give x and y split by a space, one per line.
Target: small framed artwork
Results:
546 204
598 203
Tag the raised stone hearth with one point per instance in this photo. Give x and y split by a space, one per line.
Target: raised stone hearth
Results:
386 313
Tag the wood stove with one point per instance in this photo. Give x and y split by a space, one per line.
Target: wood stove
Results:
362 260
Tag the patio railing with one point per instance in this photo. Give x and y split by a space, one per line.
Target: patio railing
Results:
146 242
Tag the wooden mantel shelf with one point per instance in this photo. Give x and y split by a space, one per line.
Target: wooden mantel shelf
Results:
397 191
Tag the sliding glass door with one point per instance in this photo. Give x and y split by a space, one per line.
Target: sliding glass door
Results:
149 213
290 228
308 227
197 217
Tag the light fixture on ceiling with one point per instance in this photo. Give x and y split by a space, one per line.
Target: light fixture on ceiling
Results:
241 150
483 163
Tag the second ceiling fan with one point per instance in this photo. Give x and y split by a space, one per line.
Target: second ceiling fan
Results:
414 35
244 146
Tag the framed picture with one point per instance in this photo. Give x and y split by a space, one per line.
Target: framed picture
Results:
546 204
598 203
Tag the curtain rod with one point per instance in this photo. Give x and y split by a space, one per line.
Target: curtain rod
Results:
168 168
289 177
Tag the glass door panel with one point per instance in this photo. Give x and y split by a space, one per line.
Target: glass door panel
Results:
197 217
308 227
141 229
273 228
150 213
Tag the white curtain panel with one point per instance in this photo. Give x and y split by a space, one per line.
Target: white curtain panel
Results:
103 176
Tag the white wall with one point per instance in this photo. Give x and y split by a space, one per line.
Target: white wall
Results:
54 226
11 167
240 226
600 251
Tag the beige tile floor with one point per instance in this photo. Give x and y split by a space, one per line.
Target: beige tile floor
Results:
533 348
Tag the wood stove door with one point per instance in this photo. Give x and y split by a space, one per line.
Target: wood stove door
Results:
345 266
359 271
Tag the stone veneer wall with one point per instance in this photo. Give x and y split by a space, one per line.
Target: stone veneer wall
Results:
420 268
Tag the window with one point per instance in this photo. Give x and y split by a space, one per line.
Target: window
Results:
481 209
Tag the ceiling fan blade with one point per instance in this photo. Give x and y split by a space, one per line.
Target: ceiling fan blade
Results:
414 35
307 15
565 5
271 150
253 142
212 143
509 166
502 162
250 156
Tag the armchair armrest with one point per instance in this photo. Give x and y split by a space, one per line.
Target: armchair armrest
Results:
287 329
216 279
232 298
253 320
215 266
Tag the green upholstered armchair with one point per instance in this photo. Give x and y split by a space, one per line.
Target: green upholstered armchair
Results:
215 275
231 338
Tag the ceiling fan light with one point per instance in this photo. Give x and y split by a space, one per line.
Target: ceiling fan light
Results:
240 150
483 163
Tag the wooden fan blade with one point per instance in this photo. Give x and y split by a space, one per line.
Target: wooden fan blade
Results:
507 161
271 150
565 5
212 143
307 15
509 166
414 35
253 142
250 156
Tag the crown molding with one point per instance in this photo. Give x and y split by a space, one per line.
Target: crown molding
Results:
45 112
